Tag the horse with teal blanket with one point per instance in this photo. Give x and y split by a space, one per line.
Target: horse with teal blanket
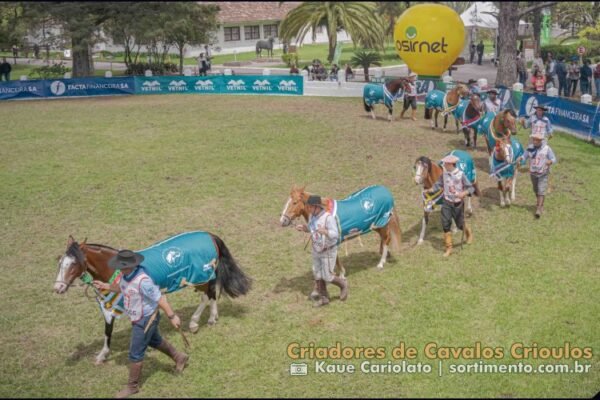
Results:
445 103
370 208
386 94
428 172
198 259
469 113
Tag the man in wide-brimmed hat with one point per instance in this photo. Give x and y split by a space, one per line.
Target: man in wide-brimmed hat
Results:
492 103
324 234
142 300
539 123
410 98
456 187
540 157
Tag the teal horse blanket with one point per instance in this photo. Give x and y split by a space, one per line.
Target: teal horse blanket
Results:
461 113
378 94
190 256
502 169
362 211
435 100
484 126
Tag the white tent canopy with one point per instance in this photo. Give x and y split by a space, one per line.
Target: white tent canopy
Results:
482 15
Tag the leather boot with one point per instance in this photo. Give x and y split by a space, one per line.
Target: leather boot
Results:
468 234
413 114
402 114
343 285
179 357
324 299
133 386
448 242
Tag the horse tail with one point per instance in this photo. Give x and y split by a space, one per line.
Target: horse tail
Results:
396 233
477 191
368 108
229 275
427 113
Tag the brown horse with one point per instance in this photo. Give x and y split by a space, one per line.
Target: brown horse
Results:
503 126
389 234
386 94
427 174
445 103
80 258
469 113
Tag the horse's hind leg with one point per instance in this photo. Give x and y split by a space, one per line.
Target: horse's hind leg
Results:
445 122
514 185
198 313
103 355
212 295
384 234
390 116
341 271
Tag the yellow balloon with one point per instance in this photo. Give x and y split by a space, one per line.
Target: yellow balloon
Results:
429 38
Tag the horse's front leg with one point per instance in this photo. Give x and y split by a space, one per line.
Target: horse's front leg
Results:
474 139
108 329
390 111
514 185
445 122
469 208
373 111
384 245
194 326
434 123
423 228
501 192
507 187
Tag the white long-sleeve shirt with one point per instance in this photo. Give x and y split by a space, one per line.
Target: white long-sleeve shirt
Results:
320 241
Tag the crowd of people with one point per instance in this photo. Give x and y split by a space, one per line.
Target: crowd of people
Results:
318 72
562 74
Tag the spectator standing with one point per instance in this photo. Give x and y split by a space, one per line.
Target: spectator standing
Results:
539 63
561 73
202 65
480 48
573 76
5 69
550 70
472 51
36 51
586 75
597 80
521 69
349 73
538 81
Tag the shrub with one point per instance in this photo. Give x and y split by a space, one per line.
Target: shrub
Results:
56 70
570 50
290 59
157 69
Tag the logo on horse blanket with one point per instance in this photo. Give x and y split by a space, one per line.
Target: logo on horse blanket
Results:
359 213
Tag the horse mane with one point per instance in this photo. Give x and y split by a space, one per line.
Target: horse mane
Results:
100 247
425 160
74 250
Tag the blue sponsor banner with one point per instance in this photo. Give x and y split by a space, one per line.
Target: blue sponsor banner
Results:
89 87
22 89
221 84
577 117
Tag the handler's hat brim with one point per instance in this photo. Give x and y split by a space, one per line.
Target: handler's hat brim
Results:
125 259
450 159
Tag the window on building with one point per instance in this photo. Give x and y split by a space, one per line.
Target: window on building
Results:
251 32
270 30
232 33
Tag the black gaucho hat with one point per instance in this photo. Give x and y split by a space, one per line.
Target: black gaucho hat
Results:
314 201
125 259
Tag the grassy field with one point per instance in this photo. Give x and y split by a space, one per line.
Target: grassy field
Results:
130 171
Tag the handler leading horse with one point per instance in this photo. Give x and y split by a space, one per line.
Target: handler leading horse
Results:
198 259
371 208
428 172
385 93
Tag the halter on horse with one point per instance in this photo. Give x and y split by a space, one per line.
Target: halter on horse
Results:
504 150
385 93
266 45
389 232
82 260
445 103
427 173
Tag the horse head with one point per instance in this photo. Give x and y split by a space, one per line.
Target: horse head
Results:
394 85
294 207
71 265
475 101
422 168
462 90
509 121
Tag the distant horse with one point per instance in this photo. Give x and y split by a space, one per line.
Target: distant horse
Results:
469 113
265 45
371 208
445 103
427 173
504 150
206 263
385 93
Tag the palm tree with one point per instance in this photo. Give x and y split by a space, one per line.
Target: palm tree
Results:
365 59
356 18
390 11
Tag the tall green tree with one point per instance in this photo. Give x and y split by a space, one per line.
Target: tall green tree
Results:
390 11
12 25
574 15
357 18
365 59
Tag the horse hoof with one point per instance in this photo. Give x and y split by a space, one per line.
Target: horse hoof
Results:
99 361
420 241
211 322
194 328
380 266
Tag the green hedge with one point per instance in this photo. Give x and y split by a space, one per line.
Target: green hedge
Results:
570 50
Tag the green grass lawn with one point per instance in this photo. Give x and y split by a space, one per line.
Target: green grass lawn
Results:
130 171
28 70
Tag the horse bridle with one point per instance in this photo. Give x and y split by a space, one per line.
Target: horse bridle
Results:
80 260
